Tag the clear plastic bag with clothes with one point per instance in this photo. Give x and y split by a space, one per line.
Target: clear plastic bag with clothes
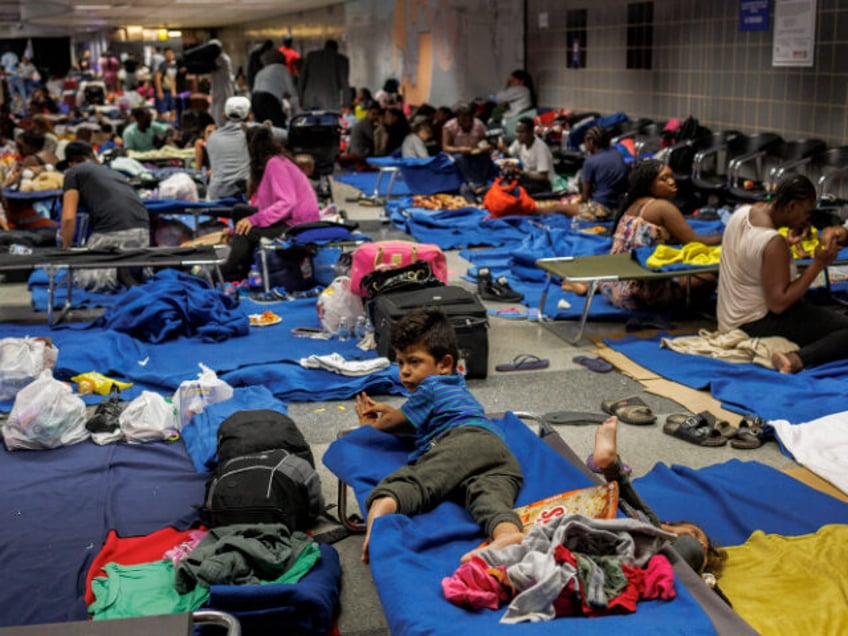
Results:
149 417
193 396
179 186
46 414
21 361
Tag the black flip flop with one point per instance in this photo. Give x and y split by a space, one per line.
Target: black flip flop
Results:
631 410
574 418
693 429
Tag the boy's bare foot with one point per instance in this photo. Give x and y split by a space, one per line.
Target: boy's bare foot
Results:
606 443
505 534
787 362
379 507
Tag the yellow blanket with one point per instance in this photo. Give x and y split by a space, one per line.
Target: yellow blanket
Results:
791 585
695 253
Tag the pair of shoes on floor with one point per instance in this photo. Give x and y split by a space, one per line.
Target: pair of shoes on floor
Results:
705 429
491 289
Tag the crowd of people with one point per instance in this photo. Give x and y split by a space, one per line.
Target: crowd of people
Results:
237 128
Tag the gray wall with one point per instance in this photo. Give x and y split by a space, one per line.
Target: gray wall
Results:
442 52
702 65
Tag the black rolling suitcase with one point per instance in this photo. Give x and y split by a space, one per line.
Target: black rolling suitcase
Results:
463 308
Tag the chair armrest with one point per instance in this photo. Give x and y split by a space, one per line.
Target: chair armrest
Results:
777 172
700 159
735 166
824 179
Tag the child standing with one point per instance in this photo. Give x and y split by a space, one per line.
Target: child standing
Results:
457 449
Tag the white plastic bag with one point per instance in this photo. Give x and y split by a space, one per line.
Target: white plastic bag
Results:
46 414
148 418
337 301
193 396
178 186
21 361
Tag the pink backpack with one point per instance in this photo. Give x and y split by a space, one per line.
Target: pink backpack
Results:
381 255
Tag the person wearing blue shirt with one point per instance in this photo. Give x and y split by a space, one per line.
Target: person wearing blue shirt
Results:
458 450
604 178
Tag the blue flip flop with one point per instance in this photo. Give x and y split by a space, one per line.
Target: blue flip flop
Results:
524 362
598 365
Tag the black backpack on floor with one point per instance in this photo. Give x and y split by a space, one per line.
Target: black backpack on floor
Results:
273 486
249 431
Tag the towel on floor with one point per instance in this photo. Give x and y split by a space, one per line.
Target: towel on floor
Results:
821 445
733 346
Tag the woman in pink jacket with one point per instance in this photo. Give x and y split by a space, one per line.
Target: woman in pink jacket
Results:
281 196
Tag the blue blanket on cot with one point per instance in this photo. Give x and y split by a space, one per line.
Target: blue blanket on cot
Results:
365 182
747 388
59 505
410 556
271 350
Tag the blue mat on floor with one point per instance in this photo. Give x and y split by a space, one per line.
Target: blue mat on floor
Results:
272 350
733 499
747 388
59 505
365 182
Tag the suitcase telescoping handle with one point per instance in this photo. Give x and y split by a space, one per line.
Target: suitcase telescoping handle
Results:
396 258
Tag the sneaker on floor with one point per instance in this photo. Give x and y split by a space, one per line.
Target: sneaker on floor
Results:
499 290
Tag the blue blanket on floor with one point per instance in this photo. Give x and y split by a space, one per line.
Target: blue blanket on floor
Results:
59 505
366 181
173 304
201 433
747 388
411 555
162 367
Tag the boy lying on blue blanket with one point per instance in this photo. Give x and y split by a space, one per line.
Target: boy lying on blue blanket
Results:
457 448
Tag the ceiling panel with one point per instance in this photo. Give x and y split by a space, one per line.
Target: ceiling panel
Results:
21 18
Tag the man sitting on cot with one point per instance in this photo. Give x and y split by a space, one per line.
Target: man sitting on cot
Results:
117 217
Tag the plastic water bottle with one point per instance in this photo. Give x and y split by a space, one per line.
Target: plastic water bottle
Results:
254 279
575 223
359 327
17 248
343 330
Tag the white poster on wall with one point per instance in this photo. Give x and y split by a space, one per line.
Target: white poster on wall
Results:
794 32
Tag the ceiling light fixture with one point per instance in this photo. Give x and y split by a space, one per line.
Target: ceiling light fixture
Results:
92 7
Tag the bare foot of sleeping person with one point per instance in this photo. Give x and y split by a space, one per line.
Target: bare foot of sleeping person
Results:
606 443
379 507
787 362
504 534
581 289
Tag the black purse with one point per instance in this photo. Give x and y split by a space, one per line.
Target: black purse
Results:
417 275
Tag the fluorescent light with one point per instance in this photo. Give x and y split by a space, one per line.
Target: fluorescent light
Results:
92 7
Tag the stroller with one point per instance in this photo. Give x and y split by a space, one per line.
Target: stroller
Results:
318 133
92 93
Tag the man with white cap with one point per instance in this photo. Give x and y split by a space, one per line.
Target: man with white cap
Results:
227 150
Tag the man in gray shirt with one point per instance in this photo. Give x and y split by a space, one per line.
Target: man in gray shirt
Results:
227 149
272 84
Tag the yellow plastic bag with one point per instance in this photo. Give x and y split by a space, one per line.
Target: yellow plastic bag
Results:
93 382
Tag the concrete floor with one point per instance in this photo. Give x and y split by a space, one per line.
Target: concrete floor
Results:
565 385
